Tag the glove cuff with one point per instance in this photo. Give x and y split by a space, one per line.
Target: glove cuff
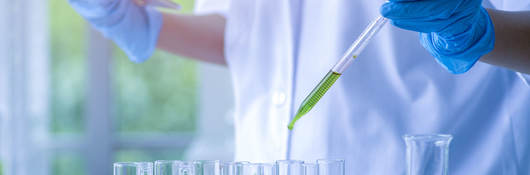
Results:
141 51
133 28
474 43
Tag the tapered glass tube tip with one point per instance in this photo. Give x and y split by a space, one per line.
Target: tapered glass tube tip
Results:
315 96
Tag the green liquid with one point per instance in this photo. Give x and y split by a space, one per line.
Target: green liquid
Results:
315 95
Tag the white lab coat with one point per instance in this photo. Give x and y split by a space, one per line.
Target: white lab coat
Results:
278 50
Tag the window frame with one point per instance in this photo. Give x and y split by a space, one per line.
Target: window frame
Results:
27 145
26 148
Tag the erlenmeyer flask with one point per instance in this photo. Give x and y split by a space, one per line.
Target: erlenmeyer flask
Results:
427 154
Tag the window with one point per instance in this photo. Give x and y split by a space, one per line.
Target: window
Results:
96 107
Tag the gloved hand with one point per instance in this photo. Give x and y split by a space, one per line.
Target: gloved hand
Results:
456 32
133 28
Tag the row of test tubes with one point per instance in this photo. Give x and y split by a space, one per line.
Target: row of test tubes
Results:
425 155
216 167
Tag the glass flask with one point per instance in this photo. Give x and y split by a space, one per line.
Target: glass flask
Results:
289 167
174 167
427 154
133 168
259 169
310 169
330 166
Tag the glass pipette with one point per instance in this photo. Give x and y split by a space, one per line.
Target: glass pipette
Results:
355 49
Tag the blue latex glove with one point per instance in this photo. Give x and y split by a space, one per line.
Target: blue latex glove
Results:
133 28
456 32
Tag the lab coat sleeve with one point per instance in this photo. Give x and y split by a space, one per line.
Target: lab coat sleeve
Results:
203 7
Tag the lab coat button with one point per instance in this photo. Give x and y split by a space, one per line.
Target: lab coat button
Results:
279 98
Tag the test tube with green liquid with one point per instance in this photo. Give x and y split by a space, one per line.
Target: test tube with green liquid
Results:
355 49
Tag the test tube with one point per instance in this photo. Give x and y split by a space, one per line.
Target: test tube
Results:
427 154
174 167
238 167
214 167
218 168
259 169
330 166
310 168
133 168
199 164
289 167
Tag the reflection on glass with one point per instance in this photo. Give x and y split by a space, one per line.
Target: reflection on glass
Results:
216 167
259 169
310 169
330 167
289 167
174 167
133 168
238 167
166 167
427 154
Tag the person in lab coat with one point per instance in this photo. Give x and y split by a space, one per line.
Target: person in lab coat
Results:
278 50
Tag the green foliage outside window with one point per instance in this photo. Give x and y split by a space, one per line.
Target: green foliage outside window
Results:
135 155
68 67
158 96
68 163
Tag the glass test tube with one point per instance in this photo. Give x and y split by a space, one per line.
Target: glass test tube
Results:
133 168
310 169
330 167
427 154
238 167
174 167
214 167
289 167
259 169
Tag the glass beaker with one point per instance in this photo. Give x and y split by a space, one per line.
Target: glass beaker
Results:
259 169
289 167
427 154
174 167
133 168
330 166
310 169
